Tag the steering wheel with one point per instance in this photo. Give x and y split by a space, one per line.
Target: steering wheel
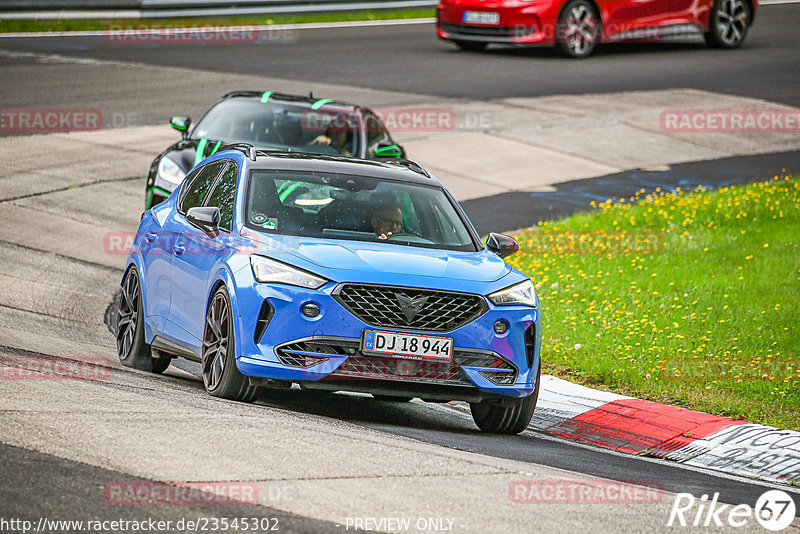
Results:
404 236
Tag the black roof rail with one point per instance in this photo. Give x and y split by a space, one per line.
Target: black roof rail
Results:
247 148
308 97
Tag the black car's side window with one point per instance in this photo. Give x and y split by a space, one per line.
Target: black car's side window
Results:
224 196
376 134
196 188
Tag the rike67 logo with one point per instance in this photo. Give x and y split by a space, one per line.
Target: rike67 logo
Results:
774 510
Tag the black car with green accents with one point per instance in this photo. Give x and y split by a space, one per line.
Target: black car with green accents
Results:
271 121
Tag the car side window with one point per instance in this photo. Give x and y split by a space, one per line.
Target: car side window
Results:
376 133
224 196
196 188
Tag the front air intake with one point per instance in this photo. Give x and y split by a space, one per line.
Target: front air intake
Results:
264 317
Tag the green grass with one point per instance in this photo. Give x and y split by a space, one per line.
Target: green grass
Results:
691 299
7 26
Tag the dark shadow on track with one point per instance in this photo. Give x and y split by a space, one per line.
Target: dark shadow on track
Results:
603 50
35 485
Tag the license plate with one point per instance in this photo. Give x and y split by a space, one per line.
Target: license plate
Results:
481 17
407 345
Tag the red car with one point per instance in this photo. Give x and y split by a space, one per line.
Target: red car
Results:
575 27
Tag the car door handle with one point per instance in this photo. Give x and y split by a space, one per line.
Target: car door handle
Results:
178 249
150 236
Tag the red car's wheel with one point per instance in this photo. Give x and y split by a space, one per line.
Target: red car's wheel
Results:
728 23
578 29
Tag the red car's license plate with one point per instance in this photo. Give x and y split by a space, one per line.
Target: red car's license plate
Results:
481 17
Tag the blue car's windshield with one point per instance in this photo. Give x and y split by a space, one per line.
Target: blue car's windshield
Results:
281 126
360 208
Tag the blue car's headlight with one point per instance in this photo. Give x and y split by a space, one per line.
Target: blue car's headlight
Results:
168 170
521 293
267 270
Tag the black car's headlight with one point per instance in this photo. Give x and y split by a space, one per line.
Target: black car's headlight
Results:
267 270
522 293
168 170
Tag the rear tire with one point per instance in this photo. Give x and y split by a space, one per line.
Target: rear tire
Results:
511 419
161 360
577 30
221 377
727 24
131 347
471 46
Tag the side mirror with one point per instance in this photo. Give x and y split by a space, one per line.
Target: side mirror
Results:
207 219
389 150
181 124
502 245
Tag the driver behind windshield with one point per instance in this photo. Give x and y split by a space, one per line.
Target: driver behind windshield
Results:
387 220
335 137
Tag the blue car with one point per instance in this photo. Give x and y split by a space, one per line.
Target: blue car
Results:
334 273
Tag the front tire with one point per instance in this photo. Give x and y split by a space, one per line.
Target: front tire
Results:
131 347
727 24
511 419
578 30
221 377
471 46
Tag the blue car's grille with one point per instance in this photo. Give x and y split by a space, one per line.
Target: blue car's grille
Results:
411 308
359 365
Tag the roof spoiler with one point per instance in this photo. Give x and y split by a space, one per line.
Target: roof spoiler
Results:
246 148
409 164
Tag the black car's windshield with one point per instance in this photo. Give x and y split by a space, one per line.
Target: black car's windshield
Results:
281 126
360 208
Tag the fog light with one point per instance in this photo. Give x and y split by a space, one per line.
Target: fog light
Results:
500 327
310 310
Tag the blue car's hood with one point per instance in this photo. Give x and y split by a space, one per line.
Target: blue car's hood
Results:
383 258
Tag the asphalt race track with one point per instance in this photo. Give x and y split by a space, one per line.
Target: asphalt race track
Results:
410 59
328 457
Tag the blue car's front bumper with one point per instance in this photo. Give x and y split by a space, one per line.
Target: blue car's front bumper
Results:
331 342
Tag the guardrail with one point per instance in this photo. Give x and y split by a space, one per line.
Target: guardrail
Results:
84 9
